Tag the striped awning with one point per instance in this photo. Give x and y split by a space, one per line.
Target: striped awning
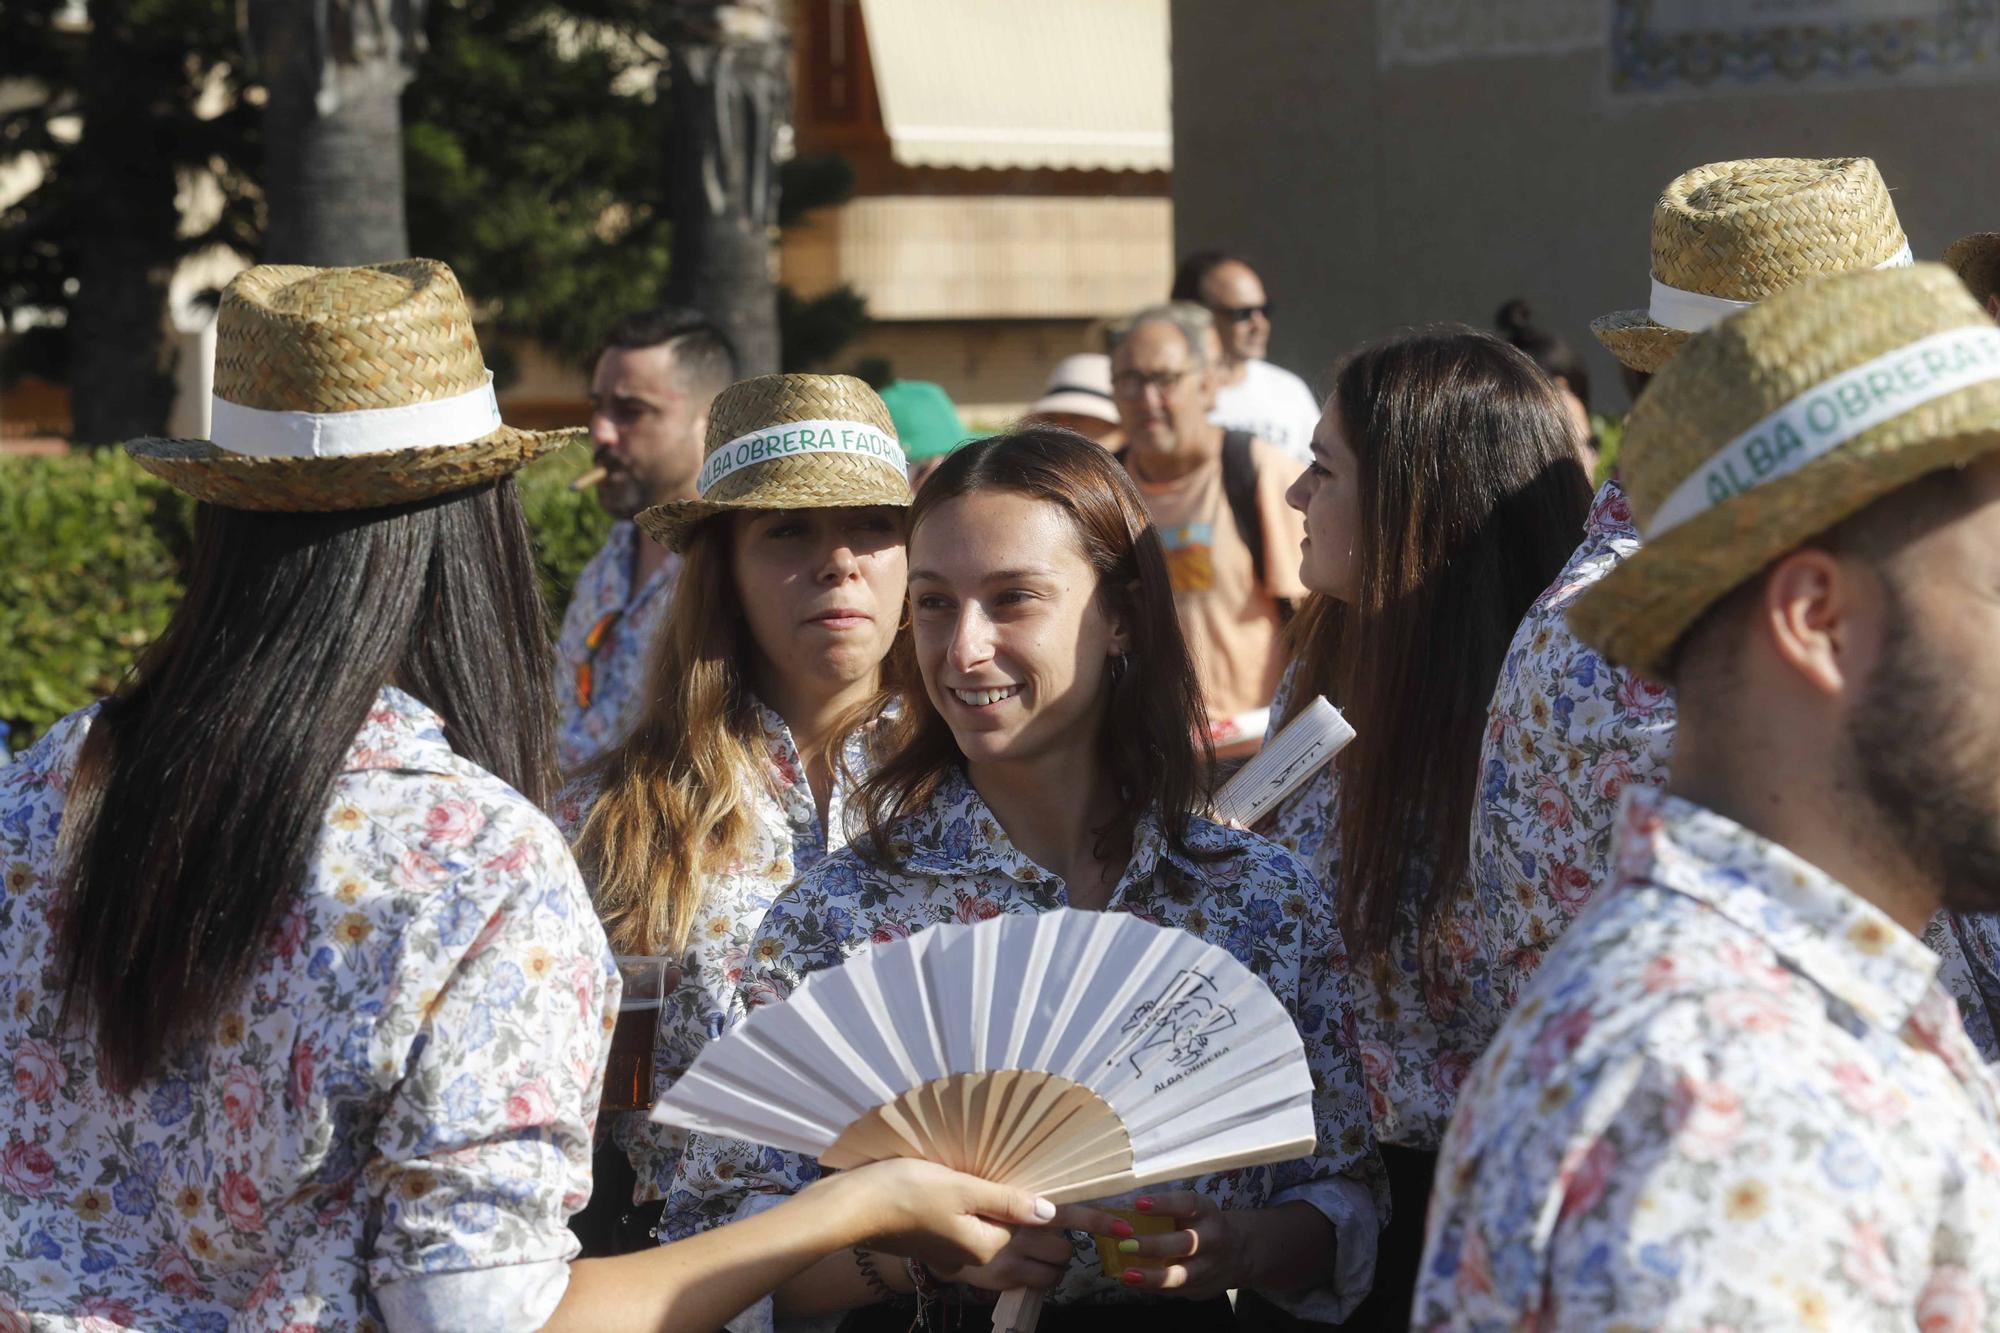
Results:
1075 85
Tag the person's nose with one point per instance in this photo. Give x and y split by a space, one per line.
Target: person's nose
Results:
1300 491
603 433
839 563
971 639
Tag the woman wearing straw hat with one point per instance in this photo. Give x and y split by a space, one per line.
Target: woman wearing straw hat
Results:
305 1000
1736 1095
1044 760
785 641
1443 494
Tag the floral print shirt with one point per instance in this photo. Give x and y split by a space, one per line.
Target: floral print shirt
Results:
957 864
1567 732
1420 1021
392 1124
1734 1097
1970 948
621 620
786 841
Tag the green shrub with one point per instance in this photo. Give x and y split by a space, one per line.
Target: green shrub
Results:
93 552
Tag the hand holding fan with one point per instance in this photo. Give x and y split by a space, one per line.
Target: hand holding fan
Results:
1075 1054
1308 741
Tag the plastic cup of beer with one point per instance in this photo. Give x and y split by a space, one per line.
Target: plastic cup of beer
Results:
628 1075
1110 1260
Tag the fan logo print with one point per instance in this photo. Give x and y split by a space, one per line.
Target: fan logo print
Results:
1183 1018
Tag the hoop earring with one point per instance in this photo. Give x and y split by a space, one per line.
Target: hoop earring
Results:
909 618
1119 665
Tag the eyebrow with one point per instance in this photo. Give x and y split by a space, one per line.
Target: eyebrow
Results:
997 576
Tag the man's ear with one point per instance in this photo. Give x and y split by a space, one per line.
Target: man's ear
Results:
1815 615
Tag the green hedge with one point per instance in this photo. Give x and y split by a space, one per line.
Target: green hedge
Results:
94 546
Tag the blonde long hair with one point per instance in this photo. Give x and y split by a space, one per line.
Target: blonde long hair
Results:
672 803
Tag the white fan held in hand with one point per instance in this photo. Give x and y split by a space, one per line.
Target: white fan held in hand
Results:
1079 1055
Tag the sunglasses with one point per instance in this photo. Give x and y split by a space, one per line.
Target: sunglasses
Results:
1236 314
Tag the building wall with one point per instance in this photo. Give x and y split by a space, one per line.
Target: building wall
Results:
1373 192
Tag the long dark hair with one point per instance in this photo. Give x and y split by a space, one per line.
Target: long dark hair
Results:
1554 353
201 789
1471 499
1147 742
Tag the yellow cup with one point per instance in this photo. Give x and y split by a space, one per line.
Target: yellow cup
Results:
1111 1261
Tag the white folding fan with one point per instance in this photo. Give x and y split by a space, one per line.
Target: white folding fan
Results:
1076 1054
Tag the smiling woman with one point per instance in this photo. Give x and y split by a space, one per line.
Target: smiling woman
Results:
1045 760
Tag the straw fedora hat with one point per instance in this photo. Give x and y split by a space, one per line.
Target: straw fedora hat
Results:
1976 260
345 388
1779 423
1729 234
790 442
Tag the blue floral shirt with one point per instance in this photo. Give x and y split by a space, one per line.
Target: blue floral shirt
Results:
616 668
1733 1097
392 1123
786 840
1566 734
957 864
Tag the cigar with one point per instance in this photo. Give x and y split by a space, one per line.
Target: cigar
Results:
589 479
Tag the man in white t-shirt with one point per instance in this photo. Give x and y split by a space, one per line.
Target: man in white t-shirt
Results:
1252 394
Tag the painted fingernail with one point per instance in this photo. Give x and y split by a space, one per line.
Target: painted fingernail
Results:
1044 1209
1133 1277
1121 1229
1128 1247
1142 1203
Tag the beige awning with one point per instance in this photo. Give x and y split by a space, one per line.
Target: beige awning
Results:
1068 84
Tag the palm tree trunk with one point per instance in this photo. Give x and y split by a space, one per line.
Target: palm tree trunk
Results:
334 72
729 99
121 360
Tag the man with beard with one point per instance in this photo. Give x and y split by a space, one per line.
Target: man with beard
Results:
649 398
1735 1095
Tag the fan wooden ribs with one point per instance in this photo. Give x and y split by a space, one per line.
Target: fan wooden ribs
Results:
1025 1127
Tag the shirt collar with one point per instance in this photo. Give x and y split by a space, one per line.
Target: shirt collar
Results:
1611 513
956 833
1817 926
402 733
619 548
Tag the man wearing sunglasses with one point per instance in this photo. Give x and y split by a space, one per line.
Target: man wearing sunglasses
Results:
1251 394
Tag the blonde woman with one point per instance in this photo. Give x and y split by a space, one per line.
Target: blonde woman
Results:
784 642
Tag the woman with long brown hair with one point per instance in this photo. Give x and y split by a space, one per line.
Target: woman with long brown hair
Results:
1044 760
304 997
783 645
1443 496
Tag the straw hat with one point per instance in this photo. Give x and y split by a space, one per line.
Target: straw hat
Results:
1080 385
790 442
1779 423
1976 260
1729 234
345 388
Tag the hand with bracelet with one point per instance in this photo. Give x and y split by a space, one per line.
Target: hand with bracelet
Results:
1212 1249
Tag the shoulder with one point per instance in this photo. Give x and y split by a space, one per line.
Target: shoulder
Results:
54 753
1272 463
573 804
1246 860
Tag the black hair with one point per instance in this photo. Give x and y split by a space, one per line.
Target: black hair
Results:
703 354
1552 352
202 787
1194 271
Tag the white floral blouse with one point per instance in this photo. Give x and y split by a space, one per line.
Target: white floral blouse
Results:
1734 1097
1418 1029
1970 948
1566 734
786 841
391 1124
957 864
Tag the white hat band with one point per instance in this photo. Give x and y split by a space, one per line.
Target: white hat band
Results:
793 438
1692 312
1829 414
437 424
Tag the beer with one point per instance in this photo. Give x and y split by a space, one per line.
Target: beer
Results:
628 1075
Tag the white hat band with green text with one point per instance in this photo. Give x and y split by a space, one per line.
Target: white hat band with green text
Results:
794 438
1826 416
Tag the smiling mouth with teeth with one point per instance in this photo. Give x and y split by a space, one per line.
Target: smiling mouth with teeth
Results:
984 698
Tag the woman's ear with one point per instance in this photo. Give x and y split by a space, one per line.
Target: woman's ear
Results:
1120 615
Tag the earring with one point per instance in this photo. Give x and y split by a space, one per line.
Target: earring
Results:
1119 665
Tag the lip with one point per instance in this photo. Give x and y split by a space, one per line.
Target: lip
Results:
841 617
